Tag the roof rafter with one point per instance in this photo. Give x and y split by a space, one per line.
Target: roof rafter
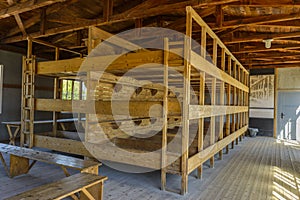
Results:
26 6
164 9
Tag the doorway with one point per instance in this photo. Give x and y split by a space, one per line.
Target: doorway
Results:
288 115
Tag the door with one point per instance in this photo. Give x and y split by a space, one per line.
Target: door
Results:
288 115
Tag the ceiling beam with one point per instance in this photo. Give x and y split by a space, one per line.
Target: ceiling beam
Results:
36 18
273 66
25 7
18 19
255 21
273 62
154 11
258 37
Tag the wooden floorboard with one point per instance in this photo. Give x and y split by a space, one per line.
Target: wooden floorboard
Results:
258 168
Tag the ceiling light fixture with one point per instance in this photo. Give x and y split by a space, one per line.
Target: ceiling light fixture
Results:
268 43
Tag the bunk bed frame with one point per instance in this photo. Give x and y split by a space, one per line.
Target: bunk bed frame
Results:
219 121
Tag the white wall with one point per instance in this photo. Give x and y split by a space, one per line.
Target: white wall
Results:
288 78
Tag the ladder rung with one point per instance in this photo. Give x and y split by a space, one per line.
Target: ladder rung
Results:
26 132
27 108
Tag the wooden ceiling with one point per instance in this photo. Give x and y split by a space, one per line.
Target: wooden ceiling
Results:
241 24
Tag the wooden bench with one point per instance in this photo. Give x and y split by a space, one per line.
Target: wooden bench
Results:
16 125
20 157
89 186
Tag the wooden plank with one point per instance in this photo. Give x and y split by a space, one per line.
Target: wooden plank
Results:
203 65
203 156
116 62
165 115
105 151
186 103
18 153
201 121
201 22
98 33
26 6
212 126
63 188
196 112
125 16
18 165
136 108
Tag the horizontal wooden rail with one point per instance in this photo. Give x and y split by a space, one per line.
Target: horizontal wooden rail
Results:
202 64
105 151
197 112
207 153
202 23
136 108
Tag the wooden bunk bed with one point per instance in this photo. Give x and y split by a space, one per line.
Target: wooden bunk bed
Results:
209 112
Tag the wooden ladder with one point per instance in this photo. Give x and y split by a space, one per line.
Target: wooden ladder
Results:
28 102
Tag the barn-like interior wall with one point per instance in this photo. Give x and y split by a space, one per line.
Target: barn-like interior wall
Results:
11 94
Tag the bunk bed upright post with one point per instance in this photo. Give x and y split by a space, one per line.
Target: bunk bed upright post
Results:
55 96
165 115
228 100
186 102
222 101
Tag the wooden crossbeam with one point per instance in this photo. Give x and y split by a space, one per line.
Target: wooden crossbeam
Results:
25 7
256 20
18 19
255 37
36 18
134 13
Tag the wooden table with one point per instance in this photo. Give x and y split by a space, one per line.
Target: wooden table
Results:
20 157
17 126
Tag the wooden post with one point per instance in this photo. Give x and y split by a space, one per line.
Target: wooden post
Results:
233 103
222 101
165 116
213 102
55 96
201 121
228 100
186 103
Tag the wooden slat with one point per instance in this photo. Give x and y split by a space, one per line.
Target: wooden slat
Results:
212 150
70 162
26 6
63 188
196 112
203 65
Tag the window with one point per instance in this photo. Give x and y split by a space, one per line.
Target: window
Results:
73 90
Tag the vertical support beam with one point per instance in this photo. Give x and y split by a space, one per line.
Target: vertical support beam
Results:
165 116
90 40
107 9
201 120
222 101
213 102
219 16
203 42
55 96
186 103
138 25
237 115
228 100
213 120
233 102
43 21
